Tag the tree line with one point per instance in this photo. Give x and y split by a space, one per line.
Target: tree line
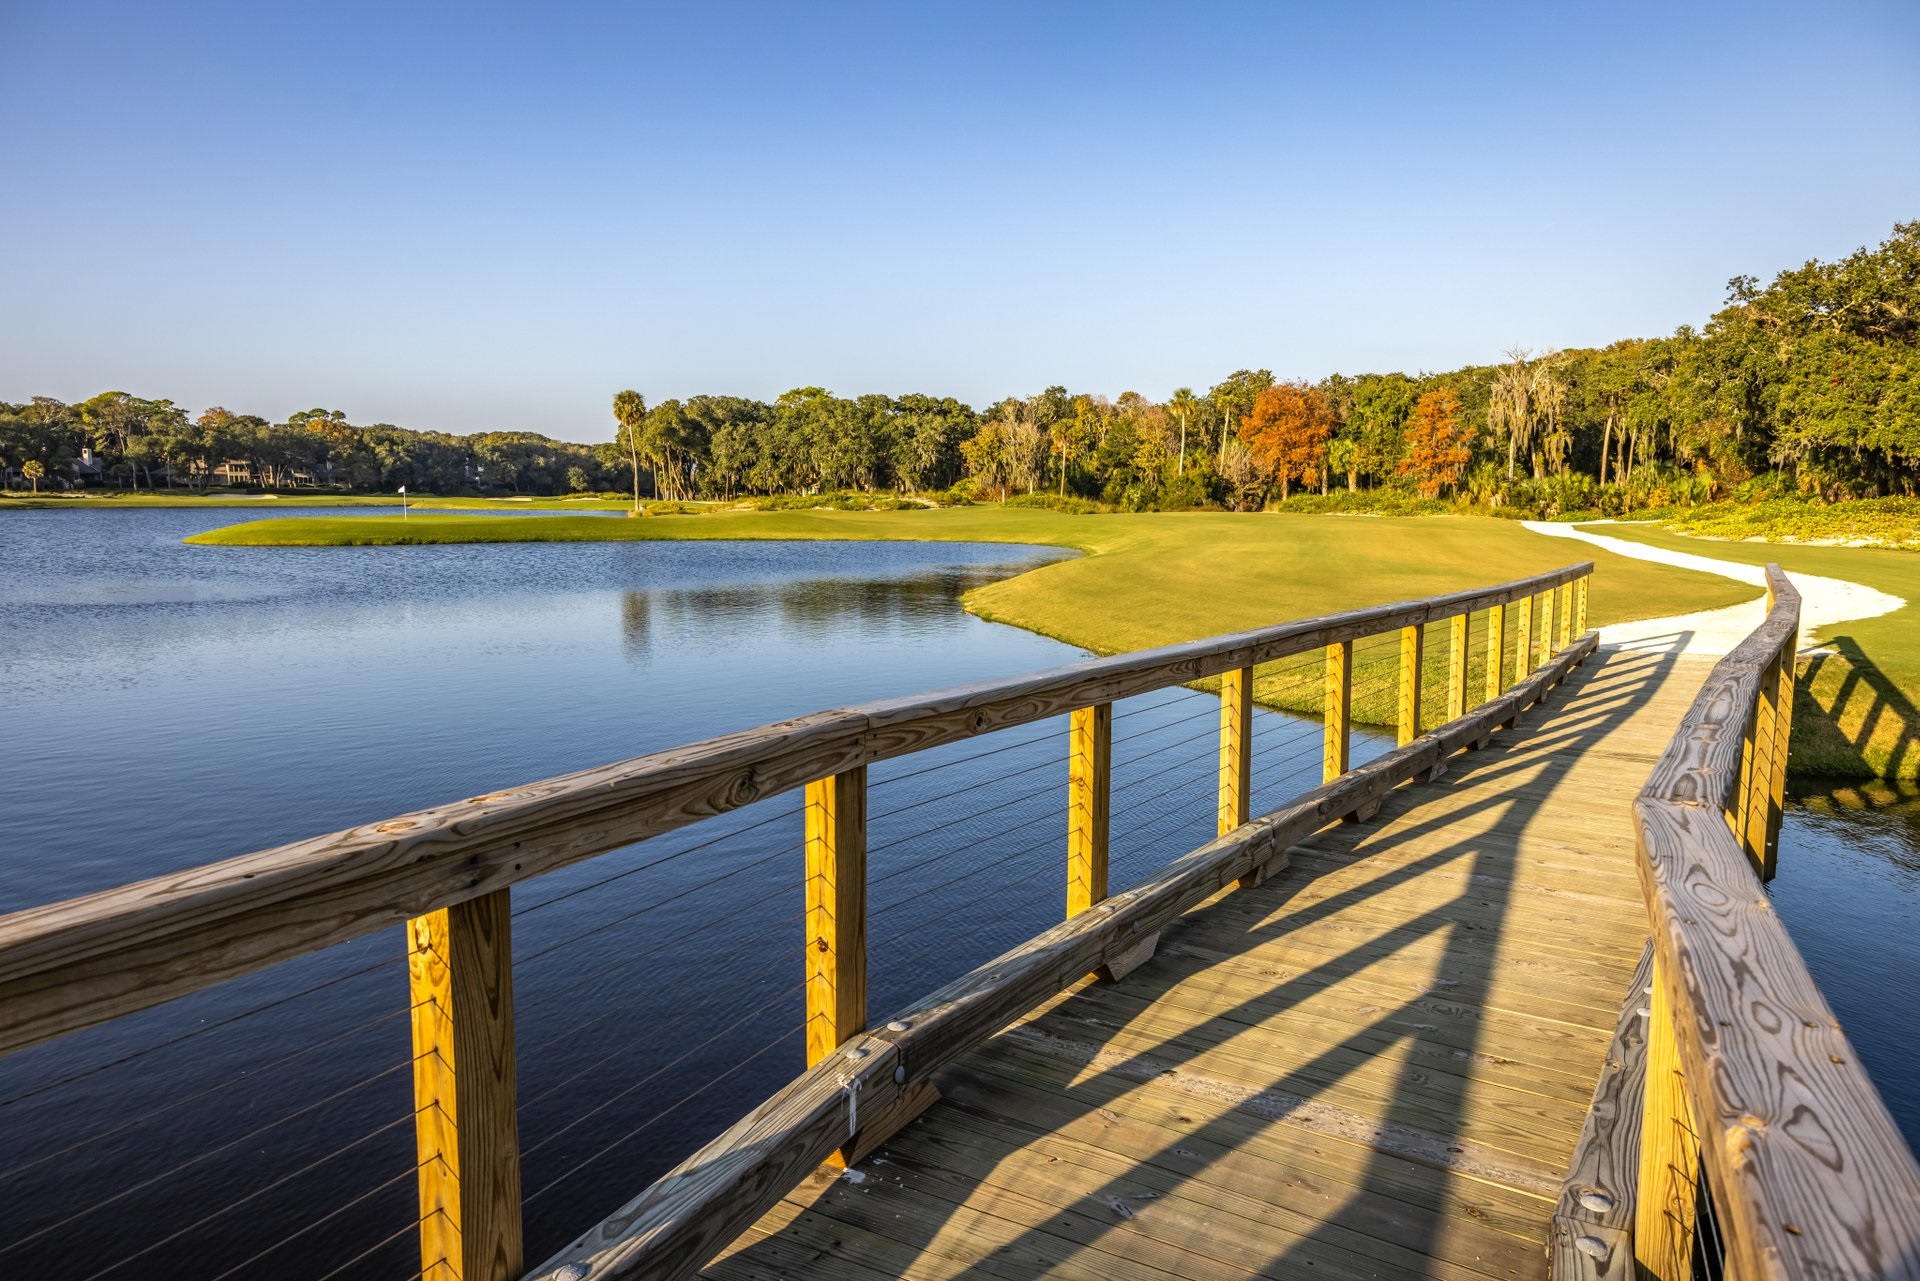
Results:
1810 382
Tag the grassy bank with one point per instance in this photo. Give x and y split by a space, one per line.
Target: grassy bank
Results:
1148 579
1855 711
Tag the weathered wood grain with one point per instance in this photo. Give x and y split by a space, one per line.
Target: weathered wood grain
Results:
1089 805
1808 1175
1413 658
73 964
1337 711
836 920
1459 636
1593 1221
1236 748
1496 651
466 1126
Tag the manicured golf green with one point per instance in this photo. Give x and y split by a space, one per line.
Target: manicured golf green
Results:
1148 579
1856 711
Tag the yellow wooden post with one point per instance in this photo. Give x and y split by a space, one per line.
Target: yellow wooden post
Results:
836 826
1413 656
1669 1153
1089 794
1580 605
1547 600
1459 637
466 1130
1496 650
1339 709
1566 615
1782 739
1236 748
1523 640
1757 778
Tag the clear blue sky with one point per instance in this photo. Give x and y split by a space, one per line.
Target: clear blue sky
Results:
464 216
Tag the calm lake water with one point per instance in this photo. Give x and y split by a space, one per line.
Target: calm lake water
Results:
167 706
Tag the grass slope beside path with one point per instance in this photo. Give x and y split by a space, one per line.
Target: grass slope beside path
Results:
1855 709
1148 579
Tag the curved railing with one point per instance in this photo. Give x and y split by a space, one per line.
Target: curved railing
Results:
1750 1081
446 874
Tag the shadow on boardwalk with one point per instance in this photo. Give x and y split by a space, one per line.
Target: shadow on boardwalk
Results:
1375 1064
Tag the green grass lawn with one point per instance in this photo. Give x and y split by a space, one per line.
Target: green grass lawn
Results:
1854 710
1148 579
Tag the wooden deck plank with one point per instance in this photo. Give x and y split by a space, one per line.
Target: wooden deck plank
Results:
1375 1064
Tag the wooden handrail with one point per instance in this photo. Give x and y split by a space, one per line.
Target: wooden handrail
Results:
1807 1174
675 1226
71 965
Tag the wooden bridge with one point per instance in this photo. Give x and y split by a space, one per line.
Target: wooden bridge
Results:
1507 1000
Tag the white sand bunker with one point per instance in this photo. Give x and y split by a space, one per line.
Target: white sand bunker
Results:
1823 601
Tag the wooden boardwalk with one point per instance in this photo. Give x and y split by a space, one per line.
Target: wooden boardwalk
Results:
1376 1064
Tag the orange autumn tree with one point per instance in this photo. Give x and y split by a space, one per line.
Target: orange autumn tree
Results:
1287 433
1437 443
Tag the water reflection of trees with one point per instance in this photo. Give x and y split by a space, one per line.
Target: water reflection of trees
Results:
803 606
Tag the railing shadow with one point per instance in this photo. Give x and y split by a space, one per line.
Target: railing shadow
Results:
1428 985
1850 720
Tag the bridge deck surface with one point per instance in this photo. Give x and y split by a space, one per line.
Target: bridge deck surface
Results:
1374 1065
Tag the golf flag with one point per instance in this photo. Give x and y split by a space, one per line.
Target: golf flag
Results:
403 489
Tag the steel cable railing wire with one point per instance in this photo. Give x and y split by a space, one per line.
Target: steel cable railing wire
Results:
222 1086
629 960
229 1207
575 891
971 785
191 1162
679 1102
653 905
890 780
328 1217
1264 746
203 1030
787 956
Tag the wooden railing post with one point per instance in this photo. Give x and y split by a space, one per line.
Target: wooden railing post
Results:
1523 640
1782 740
1236 748
1566 617
1757 810
1548 599
836 824
466 1130
1669 1152
1413 656
1339 709
1580 605
1089 798
1496 650
1459 636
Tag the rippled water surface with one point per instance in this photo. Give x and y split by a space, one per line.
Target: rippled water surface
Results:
1848 888
167 706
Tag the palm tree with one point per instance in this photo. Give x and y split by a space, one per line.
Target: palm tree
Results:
33 469
1182 403
630 411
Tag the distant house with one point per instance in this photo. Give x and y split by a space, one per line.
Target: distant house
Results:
234 471
86 470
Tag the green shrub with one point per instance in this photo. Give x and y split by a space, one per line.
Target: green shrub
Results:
1069 503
